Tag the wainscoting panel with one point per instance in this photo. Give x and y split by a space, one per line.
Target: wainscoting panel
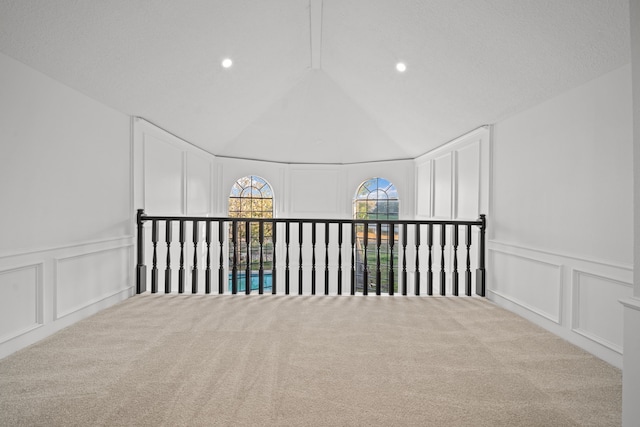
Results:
468 181
47 289
597 312
533 284
171 176
107 271
442 186
20 300
578 299
423 195
199 191
453 181
163 177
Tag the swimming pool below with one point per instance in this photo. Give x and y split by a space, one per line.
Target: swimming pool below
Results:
254 281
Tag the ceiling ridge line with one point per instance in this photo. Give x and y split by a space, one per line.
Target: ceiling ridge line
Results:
315 33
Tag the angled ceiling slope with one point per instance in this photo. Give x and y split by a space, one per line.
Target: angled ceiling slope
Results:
313 81
315 121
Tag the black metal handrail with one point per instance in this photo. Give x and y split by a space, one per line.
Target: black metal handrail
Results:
237 231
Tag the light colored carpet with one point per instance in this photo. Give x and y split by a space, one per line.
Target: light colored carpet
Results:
170 360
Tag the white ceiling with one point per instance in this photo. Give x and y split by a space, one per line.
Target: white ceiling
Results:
314 81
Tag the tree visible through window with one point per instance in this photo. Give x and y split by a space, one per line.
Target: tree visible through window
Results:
251 197
375 199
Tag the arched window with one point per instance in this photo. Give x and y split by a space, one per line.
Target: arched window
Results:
251 197
375 199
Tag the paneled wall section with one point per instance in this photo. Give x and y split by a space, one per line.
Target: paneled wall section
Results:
452 181
65 186
172 177
560 249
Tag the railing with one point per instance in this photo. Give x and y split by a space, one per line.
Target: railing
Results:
253 254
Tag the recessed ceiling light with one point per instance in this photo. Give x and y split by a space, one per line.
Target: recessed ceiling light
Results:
226 63
401 67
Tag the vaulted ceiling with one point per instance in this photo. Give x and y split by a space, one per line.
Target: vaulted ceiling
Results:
314 81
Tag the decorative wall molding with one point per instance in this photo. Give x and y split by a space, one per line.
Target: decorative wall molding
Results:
424 182
443 186
10 268
497 244
457 143
60 262
184 175
590 313
46 261
143 126
455 182
468 185
557 268
197 166
535 310
458 156
25 252
36 302
611 326
632 303
147 135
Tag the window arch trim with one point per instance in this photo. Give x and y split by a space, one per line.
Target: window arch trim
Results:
376 198
251 196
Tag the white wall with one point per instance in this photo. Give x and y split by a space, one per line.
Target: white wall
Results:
631 363
172 177
452 182
230 170
317 191
165 181
176 178
65 154
560 249
65 222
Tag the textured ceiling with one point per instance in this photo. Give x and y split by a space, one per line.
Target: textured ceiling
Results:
314 80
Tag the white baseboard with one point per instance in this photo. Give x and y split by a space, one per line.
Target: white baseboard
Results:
45 290
575 298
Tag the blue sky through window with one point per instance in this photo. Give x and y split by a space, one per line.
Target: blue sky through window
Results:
376 198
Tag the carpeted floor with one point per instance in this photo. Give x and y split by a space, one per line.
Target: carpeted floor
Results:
170 360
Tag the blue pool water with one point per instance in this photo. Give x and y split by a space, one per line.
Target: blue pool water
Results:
255 281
